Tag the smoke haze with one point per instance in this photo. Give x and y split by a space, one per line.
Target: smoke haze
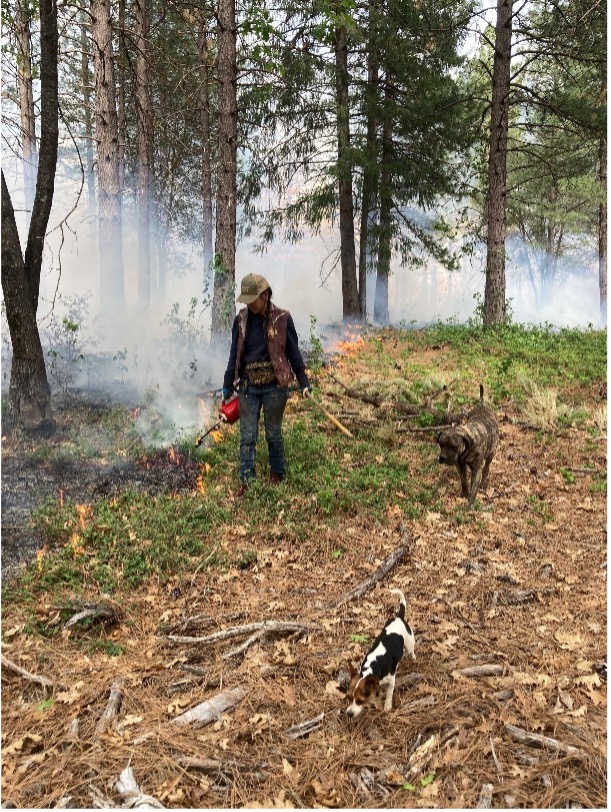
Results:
163 357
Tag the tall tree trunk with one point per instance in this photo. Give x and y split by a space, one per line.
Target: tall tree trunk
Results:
369 193
120 61
223 306
205 72
145 151
87 117
26 104
602 233
109 187
350 297
29 393
494 295
380 305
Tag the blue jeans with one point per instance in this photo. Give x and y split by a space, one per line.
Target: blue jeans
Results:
272 399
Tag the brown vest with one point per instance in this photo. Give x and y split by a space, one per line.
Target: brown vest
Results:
275 335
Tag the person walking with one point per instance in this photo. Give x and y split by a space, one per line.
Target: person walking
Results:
263 360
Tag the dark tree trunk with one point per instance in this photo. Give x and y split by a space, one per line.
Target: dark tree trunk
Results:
120 61
494 296
29 394
205 71
145 152
86 80
602 233
350 296
109 186
380 305
369 194
223 306
26 105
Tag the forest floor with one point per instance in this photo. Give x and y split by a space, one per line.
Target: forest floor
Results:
517 589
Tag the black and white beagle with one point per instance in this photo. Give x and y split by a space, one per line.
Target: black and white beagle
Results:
381 661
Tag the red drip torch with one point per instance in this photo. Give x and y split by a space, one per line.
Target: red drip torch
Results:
228 413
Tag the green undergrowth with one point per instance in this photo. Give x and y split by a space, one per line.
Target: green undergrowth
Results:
333 479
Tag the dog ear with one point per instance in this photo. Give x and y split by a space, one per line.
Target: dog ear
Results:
467 442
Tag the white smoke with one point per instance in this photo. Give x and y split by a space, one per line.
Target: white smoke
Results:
163 357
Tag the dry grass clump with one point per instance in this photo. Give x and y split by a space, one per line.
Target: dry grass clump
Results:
599 418
542 408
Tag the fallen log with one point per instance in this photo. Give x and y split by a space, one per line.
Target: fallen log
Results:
542 742
17 669
382 571
211 709
264 626
111 710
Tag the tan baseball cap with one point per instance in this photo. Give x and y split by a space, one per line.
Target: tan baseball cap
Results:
253 285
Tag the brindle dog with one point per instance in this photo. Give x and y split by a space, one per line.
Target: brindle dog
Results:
471 445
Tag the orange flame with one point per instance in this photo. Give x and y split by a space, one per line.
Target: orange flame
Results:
205 469
39 558
83 513
349 347
75 545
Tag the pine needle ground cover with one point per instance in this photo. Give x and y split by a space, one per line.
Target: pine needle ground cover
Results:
152 596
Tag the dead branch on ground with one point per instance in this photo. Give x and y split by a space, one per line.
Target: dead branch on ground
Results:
405 409
542 742
485 797
264 627
128 788
305 728
353 393
111 710
382 571
98 612
17 669
488 670
211 709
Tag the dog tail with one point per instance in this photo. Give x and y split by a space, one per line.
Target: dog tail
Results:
481 394
402 602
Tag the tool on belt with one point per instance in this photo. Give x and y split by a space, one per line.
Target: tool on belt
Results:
228 413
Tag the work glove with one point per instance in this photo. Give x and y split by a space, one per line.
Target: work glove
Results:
226 394
306 391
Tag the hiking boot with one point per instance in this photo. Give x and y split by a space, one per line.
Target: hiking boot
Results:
242 489
275 478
